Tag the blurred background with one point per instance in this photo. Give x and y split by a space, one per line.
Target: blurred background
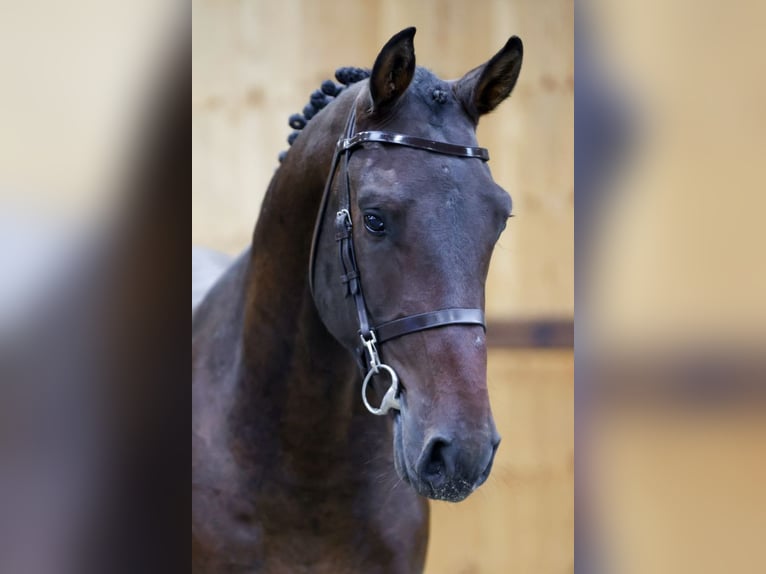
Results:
255 63
671 276
78 81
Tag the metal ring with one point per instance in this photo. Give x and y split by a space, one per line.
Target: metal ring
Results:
390 400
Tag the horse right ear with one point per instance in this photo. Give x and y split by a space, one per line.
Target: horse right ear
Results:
393 70
483 88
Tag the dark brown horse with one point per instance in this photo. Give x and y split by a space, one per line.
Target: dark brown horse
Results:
291 473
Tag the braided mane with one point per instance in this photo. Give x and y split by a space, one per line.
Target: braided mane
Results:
326 93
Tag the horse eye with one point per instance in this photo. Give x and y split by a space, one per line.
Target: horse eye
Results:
374 224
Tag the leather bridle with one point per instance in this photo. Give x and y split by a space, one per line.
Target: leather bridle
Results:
372 336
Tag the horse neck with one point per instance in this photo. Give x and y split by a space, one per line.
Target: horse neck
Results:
297 380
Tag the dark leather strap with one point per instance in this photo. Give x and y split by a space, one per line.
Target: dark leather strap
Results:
344 236
423 321
320 217
348 143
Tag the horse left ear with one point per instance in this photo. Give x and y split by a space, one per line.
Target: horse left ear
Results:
483 88
393 70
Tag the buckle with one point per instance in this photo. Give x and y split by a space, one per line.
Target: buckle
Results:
343 216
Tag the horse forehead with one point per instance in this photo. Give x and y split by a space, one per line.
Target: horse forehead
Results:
383 172
407 166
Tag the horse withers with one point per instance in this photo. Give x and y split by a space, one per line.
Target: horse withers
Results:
367 265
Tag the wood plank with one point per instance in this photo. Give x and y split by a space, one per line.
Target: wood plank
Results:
531 333
522 519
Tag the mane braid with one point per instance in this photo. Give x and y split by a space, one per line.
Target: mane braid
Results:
326 93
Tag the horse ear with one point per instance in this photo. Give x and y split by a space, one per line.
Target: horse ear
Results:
483 88
393 70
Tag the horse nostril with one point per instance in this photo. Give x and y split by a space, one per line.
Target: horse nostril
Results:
436 461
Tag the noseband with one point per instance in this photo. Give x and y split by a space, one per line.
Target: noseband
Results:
372 336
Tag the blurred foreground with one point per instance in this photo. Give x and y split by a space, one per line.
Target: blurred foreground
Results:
671 315
92 361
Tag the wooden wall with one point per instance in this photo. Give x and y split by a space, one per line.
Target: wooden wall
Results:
256 62
522 519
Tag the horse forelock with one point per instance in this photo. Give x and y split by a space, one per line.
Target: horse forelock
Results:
432 90
321 97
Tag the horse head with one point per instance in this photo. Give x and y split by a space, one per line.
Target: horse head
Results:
422 224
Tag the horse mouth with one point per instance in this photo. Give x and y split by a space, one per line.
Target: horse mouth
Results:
451 491
400 461
485 473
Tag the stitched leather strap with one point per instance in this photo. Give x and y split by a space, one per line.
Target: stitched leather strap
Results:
348 143
344 235
414 323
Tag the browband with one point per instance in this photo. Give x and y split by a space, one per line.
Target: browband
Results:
414 142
